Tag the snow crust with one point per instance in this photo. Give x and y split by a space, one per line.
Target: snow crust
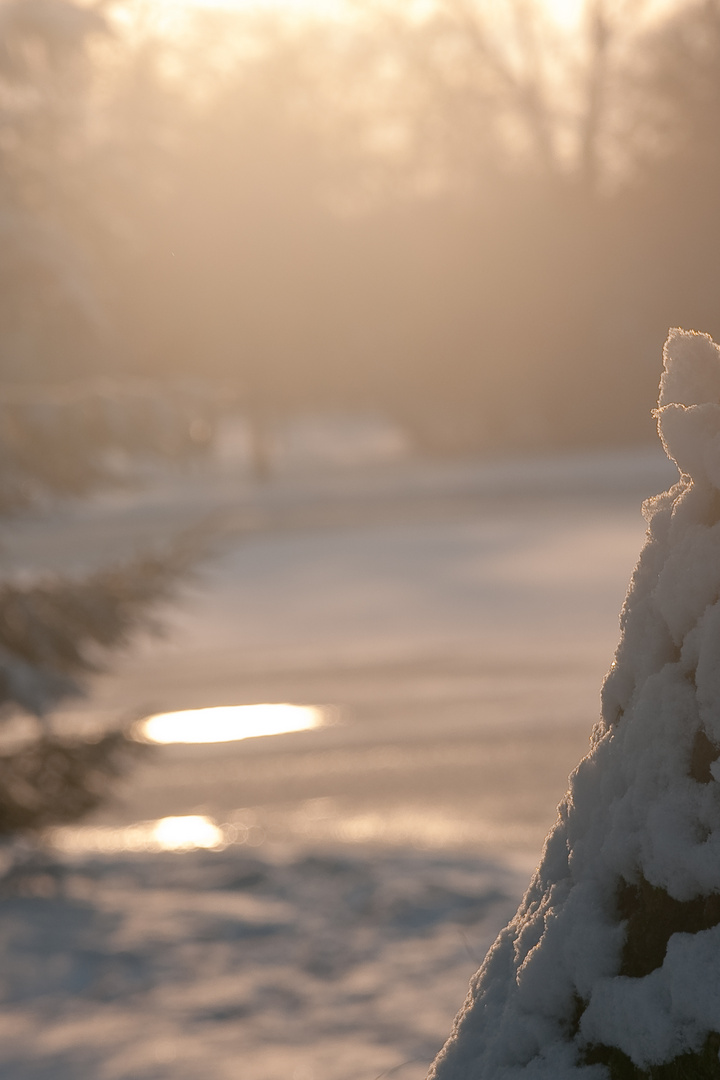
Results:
633 810
238 965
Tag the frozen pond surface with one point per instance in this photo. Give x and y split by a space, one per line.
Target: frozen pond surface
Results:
458 618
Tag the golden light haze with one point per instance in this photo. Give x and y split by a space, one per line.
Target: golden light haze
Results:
471 223
566 13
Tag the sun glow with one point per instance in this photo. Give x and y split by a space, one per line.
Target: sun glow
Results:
567 13
228 723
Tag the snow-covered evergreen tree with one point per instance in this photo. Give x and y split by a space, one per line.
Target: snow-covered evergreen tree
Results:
56 629
611 967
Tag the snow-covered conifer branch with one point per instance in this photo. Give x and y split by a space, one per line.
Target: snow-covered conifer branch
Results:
609 970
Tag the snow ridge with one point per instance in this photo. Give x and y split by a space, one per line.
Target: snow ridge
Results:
611 962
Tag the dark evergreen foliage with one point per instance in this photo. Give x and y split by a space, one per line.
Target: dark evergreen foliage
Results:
57 629
56 781
703 1065
54 631
652 916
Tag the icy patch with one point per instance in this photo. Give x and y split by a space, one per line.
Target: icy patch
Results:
185 833
228 723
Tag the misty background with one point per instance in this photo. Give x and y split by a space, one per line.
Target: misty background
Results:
463 216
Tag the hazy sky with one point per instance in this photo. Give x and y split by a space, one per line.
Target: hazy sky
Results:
566 12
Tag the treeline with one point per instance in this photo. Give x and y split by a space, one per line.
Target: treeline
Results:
469 219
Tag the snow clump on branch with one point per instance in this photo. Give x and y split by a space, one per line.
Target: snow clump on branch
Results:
611 967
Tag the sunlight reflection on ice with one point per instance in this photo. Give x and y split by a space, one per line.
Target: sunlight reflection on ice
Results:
316 821
187 833
177 834
227 723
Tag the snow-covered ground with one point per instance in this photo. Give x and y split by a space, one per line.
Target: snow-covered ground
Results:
456 619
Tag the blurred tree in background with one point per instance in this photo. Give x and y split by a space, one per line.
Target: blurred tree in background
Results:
66 425
467 217
47 285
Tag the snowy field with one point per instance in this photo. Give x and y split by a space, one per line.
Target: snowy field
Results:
454 620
